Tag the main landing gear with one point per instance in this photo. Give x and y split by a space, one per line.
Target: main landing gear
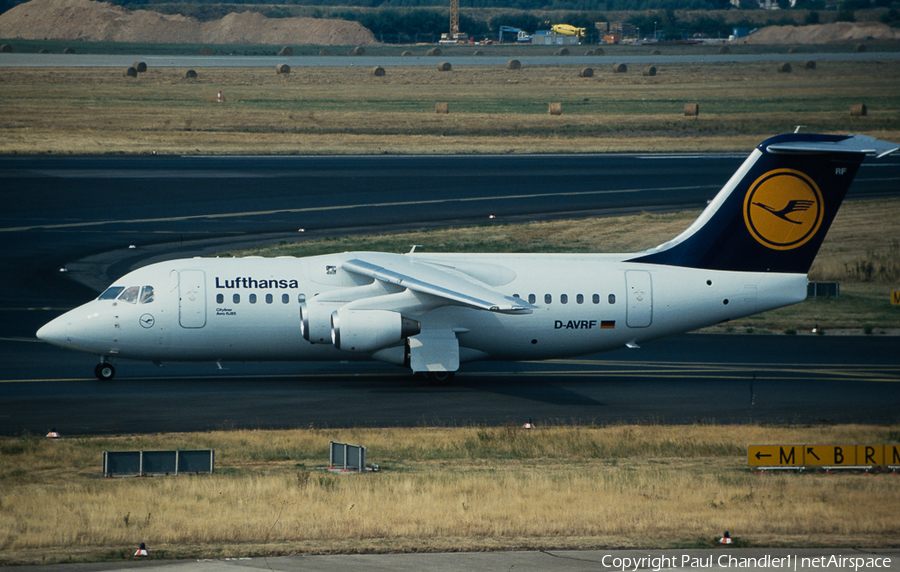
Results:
105 371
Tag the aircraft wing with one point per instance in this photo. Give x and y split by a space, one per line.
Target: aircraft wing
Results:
427 279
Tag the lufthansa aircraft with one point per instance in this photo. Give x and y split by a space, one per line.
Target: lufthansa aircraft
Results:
748 252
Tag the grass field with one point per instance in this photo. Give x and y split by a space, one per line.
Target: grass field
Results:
439 489
492 109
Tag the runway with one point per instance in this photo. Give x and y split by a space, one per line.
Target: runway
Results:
83 213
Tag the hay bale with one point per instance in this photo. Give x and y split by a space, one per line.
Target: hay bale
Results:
554 109
442 107
406 53
69 51
599 52
190 74
141 67
206 51
358 51
589 53
6 48
649 71
286 51
434 52
784 68
860 48
129 72
562 52
809 65
378 71
858 110
324 53
282 68
586 72
656 53
43 51
514 64
724 50
478 53
444 66
792 51
691 109
620 68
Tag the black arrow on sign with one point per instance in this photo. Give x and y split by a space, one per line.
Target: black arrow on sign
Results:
759 455
809 451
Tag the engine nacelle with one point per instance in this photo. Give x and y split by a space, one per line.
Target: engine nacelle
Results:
315 320
370 330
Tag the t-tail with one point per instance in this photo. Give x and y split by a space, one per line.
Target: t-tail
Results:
774 212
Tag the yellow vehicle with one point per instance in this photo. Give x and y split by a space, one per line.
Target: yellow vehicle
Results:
567 30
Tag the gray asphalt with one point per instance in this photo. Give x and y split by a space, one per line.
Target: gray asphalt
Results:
723 558
153 61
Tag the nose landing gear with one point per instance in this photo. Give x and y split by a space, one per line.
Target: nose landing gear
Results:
105 371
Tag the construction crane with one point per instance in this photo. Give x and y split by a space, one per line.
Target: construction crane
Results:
455 36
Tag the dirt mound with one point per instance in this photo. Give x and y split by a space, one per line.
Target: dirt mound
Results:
823 33
100 21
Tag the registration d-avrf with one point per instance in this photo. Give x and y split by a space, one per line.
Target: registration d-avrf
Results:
748 252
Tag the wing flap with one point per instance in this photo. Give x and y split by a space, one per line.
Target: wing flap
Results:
424 278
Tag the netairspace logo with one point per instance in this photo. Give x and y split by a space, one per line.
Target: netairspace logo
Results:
790 562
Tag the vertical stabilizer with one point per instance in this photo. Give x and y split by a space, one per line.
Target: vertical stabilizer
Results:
774 212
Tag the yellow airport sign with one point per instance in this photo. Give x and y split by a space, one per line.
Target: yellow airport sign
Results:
774 455
895 297
892 455
870 455
829 455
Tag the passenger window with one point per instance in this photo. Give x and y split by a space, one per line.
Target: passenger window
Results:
220 298
548 299
531 299
111 293
563 298
612 298
268 298
580 298
253 298
595 298
285 298
130 294
517 296
147 295
236 298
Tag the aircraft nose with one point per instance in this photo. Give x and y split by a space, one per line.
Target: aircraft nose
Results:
54 332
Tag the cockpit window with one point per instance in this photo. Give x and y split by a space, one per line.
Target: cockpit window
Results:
111 293
130 294
147 295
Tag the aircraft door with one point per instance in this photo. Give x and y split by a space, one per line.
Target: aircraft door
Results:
639 312
192 298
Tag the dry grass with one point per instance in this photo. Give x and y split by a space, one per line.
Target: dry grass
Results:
348 110
440 489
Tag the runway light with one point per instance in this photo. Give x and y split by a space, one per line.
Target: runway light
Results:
142 551
528 424
726 539
301 230
53 434
131 247
492 216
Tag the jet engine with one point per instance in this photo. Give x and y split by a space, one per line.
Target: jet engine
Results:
315 320
370 330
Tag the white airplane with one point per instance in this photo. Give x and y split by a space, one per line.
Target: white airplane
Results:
748 252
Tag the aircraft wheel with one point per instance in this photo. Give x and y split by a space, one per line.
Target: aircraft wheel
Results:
443 376
105 371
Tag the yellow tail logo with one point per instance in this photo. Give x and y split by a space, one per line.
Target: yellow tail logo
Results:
783 209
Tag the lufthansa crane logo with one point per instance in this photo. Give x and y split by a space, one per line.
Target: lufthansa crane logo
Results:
783 209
